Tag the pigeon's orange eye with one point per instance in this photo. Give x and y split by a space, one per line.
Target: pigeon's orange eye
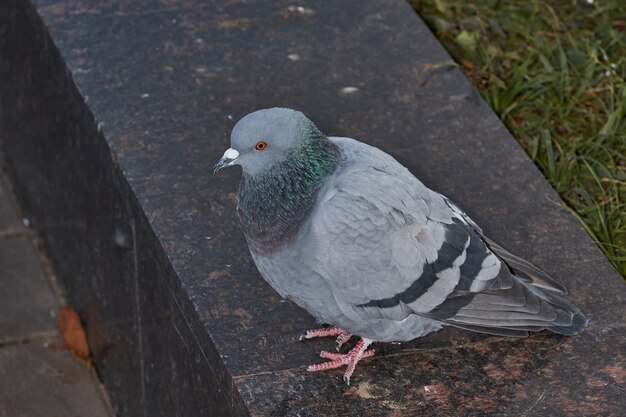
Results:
261 145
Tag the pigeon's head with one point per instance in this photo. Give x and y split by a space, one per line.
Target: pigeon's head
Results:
265 138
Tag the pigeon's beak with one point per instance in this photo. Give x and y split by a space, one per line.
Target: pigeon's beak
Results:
229 158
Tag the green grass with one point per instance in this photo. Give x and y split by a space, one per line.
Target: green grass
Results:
554 73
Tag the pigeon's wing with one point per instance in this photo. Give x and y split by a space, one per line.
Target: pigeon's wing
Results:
521 298
389 246
521 267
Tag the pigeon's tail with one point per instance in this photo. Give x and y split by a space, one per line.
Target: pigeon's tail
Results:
564 306
579 322
514 306
546 288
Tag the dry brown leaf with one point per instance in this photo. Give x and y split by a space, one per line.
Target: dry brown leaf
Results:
73 334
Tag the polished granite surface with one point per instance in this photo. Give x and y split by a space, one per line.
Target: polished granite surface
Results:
176 311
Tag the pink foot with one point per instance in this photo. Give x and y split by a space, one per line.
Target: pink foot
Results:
336 360
342 335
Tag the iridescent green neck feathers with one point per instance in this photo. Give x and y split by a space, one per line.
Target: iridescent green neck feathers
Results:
272 205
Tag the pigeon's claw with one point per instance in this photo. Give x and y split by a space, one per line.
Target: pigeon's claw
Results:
342 335
342 339
350 359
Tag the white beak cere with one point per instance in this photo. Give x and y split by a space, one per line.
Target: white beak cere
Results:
229 158
231 154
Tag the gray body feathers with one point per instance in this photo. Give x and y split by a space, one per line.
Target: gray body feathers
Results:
384 257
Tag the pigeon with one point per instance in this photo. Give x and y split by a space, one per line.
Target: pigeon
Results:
350 235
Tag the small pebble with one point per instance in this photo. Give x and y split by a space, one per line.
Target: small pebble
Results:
349 90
